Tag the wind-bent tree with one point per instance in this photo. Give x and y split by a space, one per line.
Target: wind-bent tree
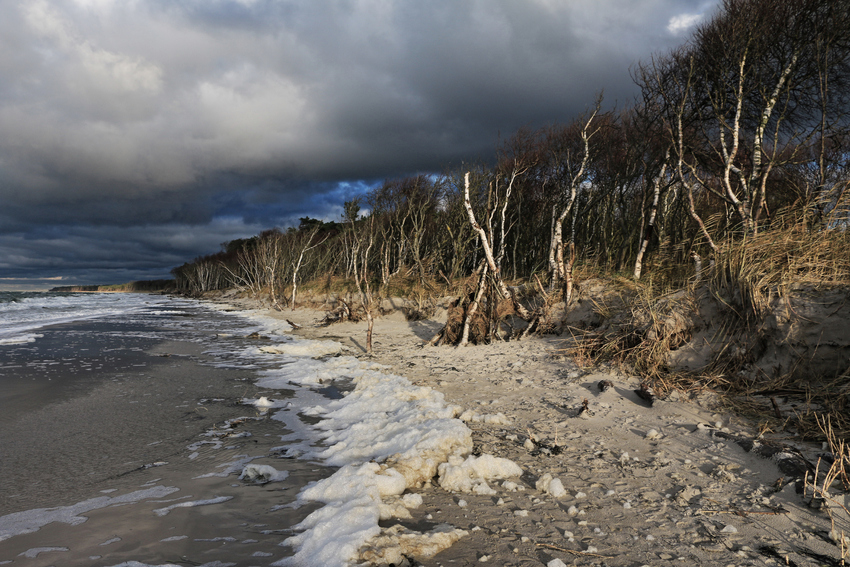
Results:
364 238
757 91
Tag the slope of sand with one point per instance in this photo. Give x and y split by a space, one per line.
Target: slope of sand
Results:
665 484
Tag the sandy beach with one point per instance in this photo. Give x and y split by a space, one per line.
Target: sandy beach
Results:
601 476
675 483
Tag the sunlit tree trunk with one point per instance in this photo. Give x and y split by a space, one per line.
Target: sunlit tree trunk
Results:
557 267
308 239
653 212
486 246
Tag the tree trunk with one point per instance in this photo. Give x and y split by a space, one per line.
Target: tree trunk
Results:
473 307
568 275
653 212
488 254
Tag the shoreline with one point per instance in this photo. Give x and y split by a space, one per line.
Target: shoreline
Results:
666 483
142 464
606 478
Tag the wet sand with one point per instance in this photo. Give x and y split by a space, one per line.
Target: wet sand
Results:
143 425
66 362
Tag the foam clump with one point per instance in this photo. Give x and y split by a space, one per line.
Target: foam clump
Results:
314 411
263 473
550 485
263 403
304 347
412 500
393 506
369 478
391 547
470 416
471 474
387 435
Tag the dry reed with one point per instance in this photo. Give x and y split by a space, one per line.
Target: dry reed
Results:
744 277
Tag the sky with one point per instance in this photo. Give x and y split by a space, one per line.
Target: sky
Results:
136 135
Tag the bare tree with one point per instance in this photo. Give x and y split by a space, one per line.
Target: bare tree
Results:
756 85
569 171
499 196
362 249
306 244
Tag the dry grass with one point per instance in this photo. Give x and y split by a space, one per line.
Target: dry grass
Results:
819 488
641 330
745 276
749 272
816 402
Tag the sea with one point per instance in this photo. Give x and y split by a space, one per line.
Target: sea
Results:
126 399
140 430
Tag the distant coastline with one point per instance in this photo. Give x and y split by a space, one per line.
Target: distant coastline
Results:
144 286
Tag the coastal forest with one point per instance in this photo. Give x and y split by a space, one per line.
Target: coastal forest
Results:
738 136
727 176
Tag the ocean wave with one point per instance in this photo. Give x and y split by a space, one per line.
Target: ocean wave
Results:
24 313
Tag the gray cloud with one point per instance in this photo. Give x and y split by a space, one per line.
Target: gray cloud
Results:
167 113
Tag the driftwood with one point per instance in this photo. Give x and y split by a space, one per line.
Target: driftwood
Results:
342 313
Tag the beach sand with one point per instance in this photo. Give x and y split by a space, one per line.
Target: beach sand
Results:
660 485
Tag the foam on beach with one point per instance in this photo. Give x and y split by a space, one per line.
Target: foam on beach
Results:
20 339
471 474
304 347
307 371
31 521
263 474
388 437
195 503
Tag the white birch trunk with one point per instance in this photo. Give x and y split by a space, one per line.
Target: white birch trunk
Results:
556 246
653 212
488 253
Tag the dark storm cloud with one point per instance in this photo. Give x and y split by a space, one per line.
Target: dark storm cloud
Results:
132 117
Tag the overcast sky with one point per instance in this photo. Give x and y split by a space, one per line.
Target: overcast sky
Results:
138 134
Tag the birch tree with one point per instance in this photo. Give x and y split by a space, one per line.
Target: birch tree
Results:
658 180
361 254
499 195
754 87
570 168
307 244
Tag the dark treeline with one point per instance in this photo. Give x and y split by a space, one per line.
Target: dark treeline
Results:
140 286
748 119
